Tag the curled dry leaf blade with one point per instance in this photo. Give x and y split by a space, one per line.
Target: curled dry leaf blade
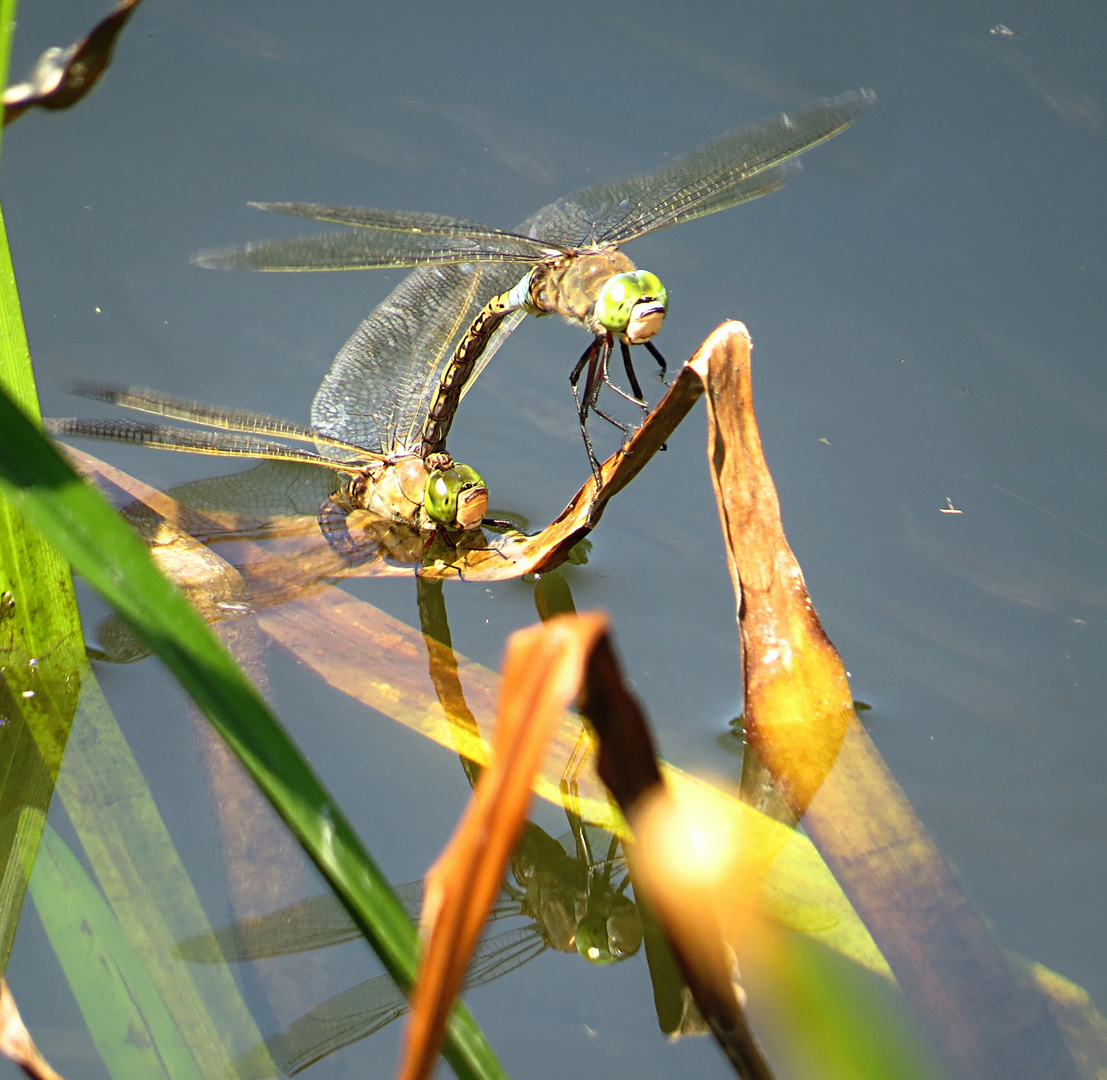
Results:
800 723
543 672
687 862
798 701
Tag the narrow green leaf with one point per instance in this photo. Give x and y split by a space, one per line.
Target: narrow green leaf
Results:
113 560
128 1019
39 628
832 1019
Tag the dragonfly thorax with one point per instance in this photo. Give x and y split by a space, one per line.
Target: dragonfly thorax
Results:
434 494
571 285
390 489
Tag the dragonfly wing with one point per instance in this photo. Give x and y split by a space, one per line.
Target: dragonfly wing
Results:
719 174
272 489
344 1019
384 378
168 437
414 223
366 1008
308 924
505 952
365 250
213 416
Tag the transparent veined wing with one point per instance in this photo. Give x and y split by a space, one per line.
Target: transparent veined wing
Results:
366 1008
383 380
731 169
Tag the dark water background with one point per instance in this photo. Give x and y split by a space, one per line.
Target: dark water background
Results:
927 307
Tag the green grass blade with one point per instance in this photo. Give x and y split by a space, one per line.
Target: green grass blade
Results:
39 627
140 873
133 1030
100 546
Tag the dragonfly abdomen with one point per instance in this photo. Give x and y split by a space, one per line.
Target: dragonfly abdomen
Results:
440 415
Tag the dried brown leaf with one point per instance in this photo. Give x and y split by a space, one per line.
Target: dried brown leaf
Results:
62 76
543 672
800 722
16 1042
677 865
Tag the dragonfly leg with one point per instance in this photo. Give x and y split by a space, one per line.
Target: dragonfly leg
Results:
502 525
443 534
660 360
592 459
623 394
592 358
597 378
602 378
624 428
663 367
628 363
587 357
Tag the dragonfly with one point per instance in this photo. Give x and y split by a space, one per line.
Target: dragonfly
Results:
435 494
570 892
574 266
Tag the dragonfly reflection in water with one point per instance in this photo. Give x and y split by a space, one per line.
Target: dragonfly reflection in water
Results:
571 901
571 249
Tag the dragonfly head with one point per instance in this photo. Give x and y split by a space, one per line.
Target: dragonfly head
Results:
632 306
456 497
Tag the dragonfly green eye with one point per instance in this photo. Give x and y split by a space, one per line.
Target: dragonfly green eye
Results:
457 496
632 305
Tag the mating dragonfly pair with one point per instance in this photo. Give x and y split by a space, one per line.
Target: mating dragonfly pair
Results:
382 415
